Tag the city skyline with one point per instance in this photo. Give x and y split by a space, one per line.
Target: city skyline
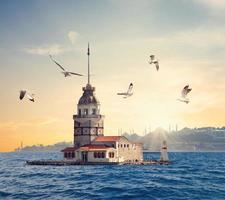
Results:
187 37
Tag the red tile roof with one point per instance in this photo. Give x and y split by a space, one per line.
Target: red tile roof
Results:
69 149
89 147
86 147
107 138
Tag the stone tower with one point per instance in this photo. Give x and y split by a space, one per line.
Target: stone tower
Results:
88 122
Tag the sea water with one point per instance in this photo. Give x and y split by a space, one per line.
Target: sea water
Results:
190 176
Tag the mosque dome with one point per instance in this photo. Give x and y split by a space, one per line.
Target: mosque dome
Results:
88 96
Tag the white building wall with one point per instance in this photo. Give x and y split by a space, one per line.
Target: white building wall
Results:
129 151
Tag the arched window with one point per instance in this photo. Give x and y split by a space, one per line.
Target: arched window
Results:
111 154
85 111
103 154
93 111
99 155
95 154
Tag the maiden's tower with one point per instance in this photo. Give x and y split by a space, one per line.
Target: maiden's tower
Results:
90 144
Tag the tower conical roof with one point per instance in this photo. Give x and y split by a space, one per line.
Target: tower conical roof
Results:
88 96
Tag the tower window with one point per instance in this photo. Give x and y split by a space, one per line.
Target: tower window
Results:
79 112
93 111
86 111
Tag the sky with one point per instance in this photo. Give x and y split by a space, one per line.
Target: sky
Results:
187 36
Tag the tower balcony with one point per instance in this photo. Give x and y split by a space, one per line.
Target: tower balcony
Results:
89 116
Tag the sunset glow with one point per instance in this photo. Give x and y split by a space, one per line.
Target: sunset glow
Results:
122 34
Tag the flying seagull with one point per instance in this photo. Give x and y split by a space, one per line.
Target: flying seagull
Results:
184 94
23 93
128 93
64 71
153 61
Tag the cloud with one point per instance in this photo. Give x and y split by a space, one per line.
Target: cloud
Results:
54 49
73 36
215 7
220 4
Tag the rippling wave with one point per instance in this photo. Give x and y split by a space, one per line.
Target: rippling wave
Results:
191 176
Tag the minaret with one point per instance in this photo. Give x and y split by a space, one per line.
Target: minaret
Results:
88 122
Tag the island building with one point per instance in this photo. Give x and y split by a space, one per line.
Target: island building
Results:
90 144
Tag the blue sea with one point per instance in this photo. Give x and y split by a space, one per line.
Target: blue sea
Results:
191 176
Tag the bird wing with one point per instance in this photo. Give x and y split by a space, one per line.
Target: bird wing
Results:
76 74
57 63
185 91
186 87
189 90
184 100
156 65
22 94
130 88
122 93
30 97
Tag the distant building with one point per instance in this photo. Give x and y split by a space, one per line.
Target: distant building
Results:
90 144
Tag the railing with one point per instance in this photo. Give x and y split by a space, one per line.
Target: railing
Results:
88 116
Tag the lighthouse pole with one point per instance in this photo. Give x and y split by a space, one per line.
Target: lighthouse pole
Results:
88 53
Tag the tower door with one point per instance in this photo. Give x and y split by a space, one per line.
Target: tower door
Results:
84 156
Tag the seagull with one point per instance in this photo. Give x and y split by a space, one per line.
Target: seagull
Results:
65 72
128 93
184 94
23 93
153 61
